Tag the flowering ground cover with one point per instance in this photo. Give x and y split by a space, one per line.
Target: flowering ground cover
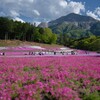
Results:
50 78
34 50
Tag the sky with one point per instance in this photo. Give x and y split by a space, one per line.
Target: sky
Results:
47 10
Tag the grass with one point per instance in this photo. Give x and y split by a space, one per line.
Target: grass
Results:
22 43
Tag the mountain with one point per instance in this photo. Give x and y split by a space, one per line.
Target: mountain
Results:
72 17
43 25
74 25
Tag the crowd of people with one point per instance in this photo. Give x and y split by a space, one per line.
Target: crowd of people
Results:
72 52
51 53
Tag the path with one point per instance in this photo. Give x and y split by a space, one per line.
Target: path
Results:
98 55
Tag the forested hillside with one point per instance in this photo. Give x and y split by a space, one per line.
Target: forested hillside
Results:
10 29
76 38
77 31
75 26
91 43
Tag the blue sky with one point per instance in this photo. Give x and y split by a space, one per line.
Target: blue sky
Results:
46 10
90 4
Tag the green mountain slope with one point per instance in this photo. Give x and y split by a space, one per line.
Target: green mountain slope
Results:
75 26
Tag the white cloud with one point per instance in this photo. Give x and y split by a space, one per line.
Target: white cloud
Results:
75 7
90 13
42 9
95 14
97 11
14 13
36 12
18 19
63 3
31 1
36 23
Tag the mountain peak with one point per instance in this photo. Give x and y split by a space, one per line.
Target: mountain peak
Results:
72 17
71 14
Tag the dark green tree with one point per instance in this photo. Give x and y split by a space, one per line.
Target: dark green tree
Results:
5 27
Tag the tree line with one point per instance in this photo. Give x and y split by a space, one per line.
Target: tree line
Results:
15 30
10 29
91 42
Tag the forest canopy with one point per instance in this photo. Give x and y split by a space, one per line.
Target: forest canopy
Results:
10 29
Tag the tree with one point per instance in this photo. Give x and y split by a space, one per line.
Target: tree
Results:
41 30
95 45
48 36
53 39
95 29
10 29
36 36
5 27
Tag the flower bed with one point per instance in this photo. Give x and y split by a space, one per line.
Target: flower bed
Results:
50 78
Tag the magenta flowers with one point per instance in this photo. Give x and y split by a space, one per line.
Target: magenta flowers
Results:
50 78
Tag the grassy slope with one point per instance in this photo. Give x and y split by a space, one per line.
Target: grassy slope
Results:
22 43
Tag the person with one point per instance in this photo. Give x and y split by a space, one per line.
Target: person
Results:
29 52
85 51
72 52
39 53
2 53
54 53
62 53
98 52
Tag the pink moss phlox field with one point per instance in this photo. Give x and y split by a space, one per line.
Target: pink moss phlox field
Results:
27 50
49 78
